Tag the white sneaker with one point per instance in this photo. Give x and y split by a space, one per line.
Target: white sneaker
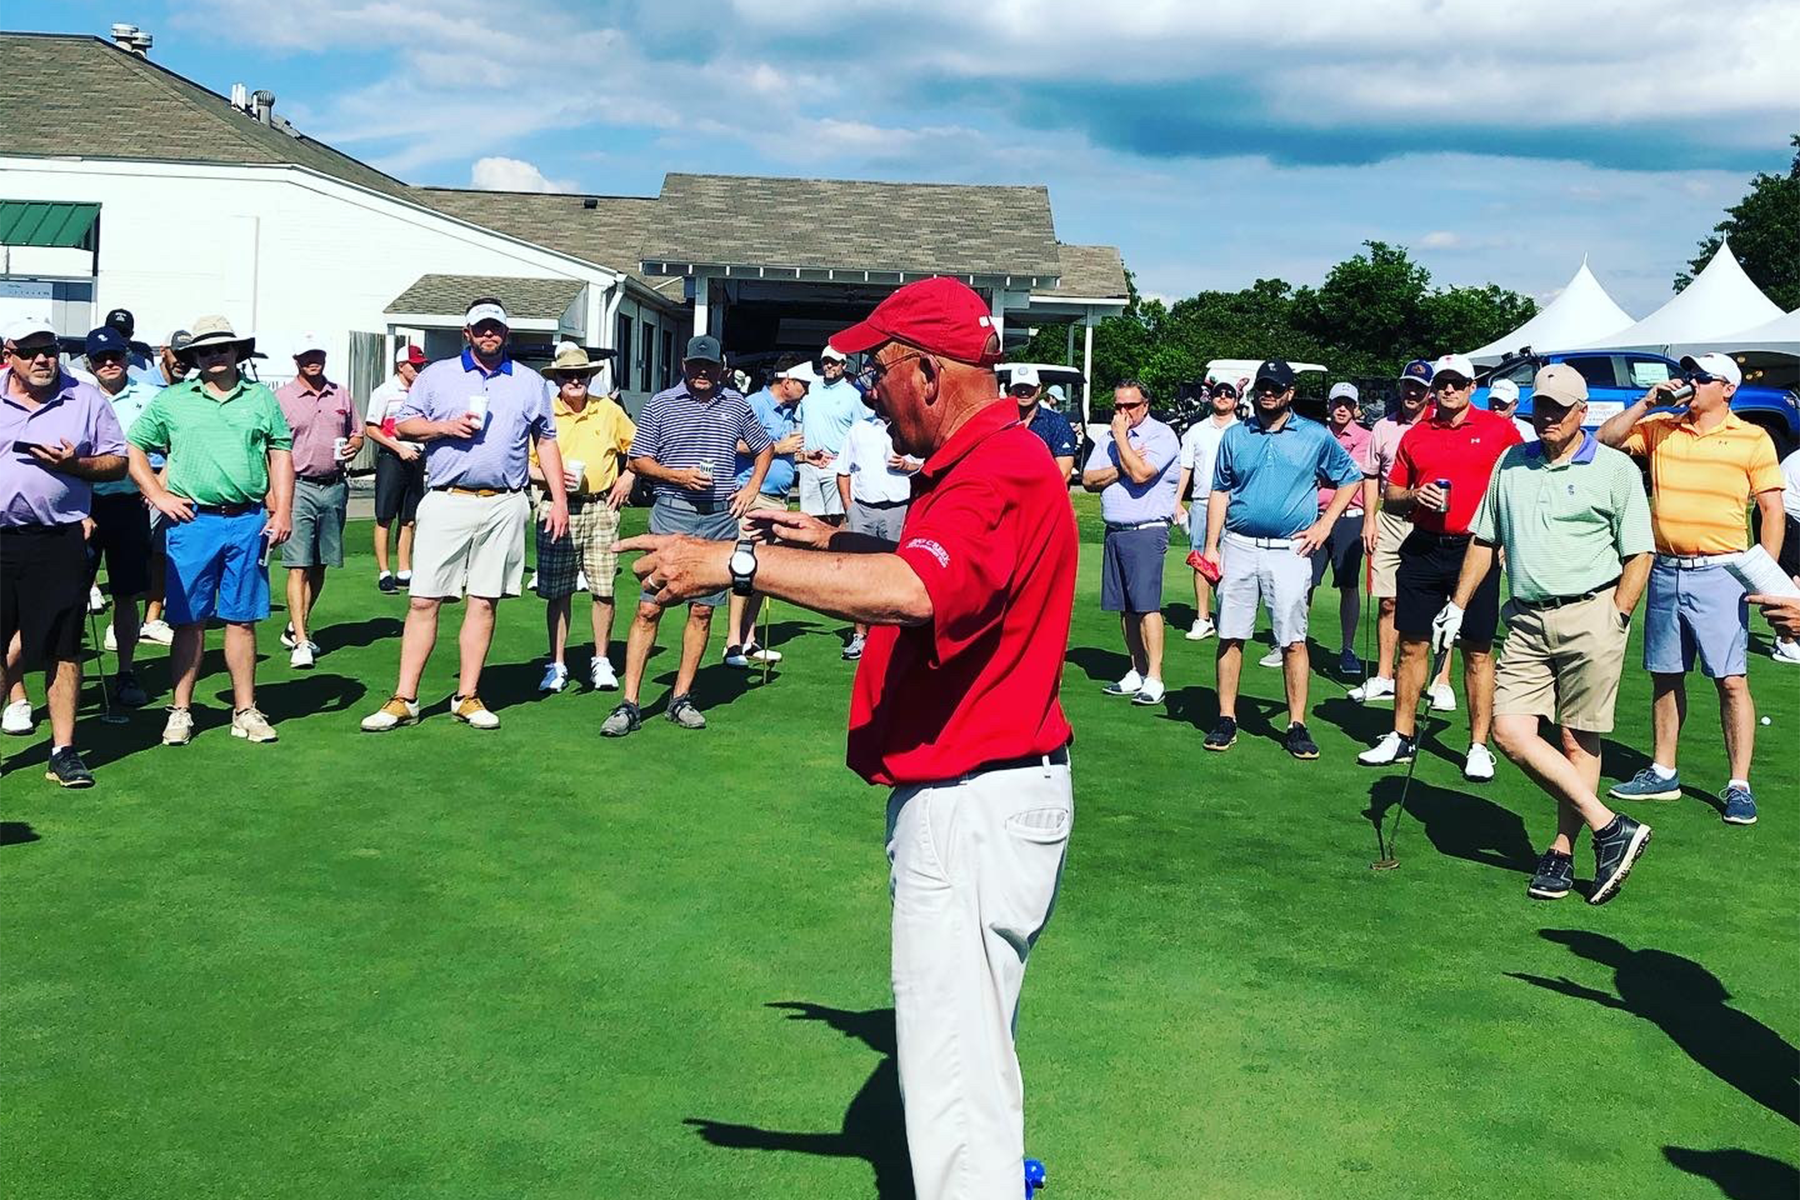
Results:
757 653
1128 686
1201 630
1443 699
301 659
111 640
581 581
18 719
1479 765
288 640
1786 651
1372 689
252 726
556 677
1271 659
601 677
178 729
394 713
1150 693
158 631
1391 749
735 657
96 599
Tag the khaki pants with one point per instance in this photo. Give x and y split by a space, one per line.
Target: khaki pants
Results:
974 868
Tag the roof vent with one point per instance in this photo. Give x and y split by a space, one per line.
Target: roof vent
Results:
130 38
262 103
141 43
590 202
240 97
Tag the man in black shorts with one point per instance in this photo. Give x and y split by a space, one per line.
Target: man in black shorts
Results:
120 538
58 437
399 470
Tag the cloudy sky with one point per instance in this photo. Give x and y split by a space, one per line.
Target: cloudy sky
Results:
1214 143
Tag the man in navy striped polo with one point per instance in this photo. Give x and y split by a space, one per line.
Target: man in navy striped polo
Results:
686 446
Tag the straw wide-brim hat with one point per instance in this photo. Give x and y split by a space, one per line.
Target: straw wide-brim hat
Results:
573 360
216 331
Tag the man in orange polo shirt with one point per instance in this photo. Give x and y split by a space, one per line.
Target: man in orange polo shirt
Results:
955 707
1706 466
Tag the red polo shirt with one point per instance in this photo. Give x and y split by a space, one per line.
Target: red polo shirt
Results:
1464 454
992 535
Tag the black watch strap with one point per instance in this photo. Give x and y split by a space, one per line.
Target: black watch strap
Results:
743 582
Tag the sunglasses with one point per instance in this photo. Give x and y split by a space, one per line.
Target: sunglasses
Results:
1699 377
217 350
1022 390
1451 385
106 358
33 353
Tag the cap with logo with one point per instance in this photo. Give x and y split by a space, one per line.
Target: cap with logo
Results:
122 320
1416 371
938 315
1343 391
1503 391
27 329
409 354
1226 386
1027 376
704 348
1277 372
176 340
1560 384
800 372
486 311
106 340
308 343
1454 364
833 354
1719 366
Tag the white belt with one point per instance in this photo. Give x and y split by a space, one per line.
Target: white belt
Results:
1694 562
1352 512
1286 543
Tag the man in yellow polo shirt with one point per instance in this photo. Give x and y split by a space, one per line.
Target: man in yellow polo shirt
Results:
593 434
1706 466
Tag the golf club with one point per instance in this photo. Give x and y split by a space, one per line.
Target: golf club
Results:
1388 860
107 715
768 620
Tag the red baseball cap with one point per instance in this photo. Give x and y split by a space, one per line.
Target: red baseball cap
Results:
940 315
409 354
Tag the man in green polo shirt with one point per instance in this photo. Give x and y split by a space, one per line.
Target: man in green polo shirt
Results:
1573 521
228 500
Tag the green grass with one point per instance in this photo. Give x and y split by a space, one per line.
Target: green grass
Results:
441 963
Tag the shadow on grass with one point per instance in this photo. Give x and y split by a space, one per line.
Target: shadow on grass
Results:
1101 666
1621 762
1688 1003
17 833
874 1126
302 696
1738 1174
1363 723
359 633
1196 705
1458 824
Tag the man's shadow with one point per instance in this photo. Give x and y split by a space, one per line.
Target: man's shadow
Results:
1688 1003
1738 1174
874 1127
1459 824
1101 666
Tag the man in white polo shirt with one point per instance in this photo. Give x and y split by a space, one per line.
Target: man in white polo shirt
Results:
874 484
832 406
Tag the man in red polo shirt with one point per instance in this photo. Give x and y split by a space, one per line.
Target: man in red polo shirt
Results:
1459 445
955 707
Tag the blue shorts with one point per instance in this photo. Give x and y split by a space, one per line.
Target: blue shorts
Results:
1131 569
1197 523
1696 612
216 569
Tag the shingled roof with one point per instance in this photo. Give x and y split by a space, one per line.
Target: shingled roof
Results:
1089 273
527 299
610 233
72 94
936 228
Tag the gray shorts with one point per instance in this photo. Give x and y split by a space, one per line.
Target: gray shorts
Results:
876 520
819 491
1696 613
318 538
1131 569
710 519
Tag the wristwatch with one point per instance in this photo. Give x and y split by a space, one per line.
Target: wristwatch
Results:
743 567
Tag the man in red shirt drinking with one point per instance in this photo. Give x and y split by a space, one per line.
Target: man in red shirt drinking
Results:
1440 473
955 707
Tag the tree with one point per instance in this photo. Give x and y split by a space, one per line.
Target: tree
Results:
1764 228
1369 310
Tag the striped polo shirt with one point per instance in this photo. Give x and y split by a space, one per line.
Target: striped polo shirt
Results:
1567 527
678 429
1702 482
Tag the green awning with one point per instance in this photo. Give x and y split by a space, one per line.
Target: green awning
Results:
48 223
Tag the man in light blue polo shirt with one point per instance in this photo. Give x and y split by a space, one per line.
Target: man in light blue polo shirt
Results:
1264 515
832 407
1133 468
778 409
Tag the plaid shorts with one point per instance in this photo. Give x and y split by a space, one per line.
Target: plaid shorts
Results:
593 528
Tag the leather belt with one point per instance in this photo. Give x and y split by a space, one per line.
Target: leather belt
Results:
226 510
1128 526
1261 543
322 480
1696 562
459 490
888 503
1058 757
1565 601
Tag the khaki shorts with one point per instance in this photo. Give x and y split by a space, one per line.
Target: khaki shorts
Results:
1390 531
469 545
1563 663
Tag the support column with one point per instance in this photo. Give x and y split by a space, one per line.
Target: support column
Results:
702 295
997 306
1087 368
1069 353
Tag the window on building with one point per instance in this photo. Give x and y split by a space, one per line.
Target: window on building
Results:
647 359
622 343
668 358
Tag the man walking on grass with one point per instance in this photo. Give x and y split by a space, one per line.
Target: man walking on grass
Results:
833 406
1263 523
229 501
778 408
1343 549
1571 517
478 415
1132 466
326 435
1707 466
1199 454
399 470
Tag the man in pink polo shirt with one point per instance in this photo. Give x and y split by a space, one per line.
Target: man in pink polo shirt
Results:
327 434
1354 529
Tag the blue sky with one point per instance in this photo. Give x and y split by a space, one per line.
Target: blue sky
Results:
1214 143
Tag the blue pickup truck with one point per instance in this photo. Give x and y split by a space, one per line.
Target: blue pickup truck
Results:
1617 379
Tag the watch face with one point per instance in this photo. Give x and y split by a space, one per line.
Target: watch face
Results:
742 562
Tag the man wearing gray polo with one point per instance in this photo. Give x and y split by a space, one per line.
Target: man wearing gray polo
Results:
1571 516
1133 468
478 415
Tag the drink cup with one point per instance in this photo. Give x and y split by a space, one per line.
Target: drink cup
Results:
478 407
1444 487
578 469
338 448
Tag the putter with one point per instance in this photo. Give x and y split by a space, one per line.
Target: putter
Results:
768 619
1388 860
107 715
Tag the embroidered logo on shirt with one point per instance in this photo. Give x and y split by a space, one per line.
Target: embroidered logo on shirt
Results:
932 548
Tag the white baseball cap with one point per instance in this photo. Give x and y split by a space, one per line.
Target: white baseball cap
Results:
1719 366
485 312
833 354
1056 393
1344 389
1504 391
1024 375
802 371
1456 364
29 327
308 343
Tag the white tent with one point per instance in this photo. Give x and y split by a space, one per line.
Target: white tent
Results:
1720 303
1580 314
1780 336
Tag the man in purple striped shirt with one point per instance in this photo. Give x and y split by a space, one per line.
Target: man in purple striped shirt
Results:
687 445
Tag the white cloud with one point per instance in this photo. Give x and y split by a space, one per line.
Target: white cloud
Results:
496 174
1441 239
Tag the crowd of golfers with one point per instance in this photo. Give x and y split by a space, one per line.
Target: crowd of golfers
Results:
174 470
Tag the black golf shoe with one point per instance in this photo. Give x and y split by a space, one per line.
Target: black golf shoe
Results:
66 768
1223 734
1616 850
1299 743
1554 876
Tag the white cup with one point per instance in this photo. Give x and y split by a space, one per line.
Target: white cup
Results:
338 447
478 407
578 469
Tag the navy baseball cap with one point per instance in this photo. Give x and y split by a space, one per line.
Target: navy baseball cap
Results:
107 340
1418 371
1277 372
704 349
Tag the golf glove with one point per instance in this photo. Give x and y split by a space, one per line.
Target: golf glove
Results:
1445 627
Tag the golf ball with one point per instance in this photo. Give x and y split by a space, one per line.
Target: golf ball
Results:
1765 720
